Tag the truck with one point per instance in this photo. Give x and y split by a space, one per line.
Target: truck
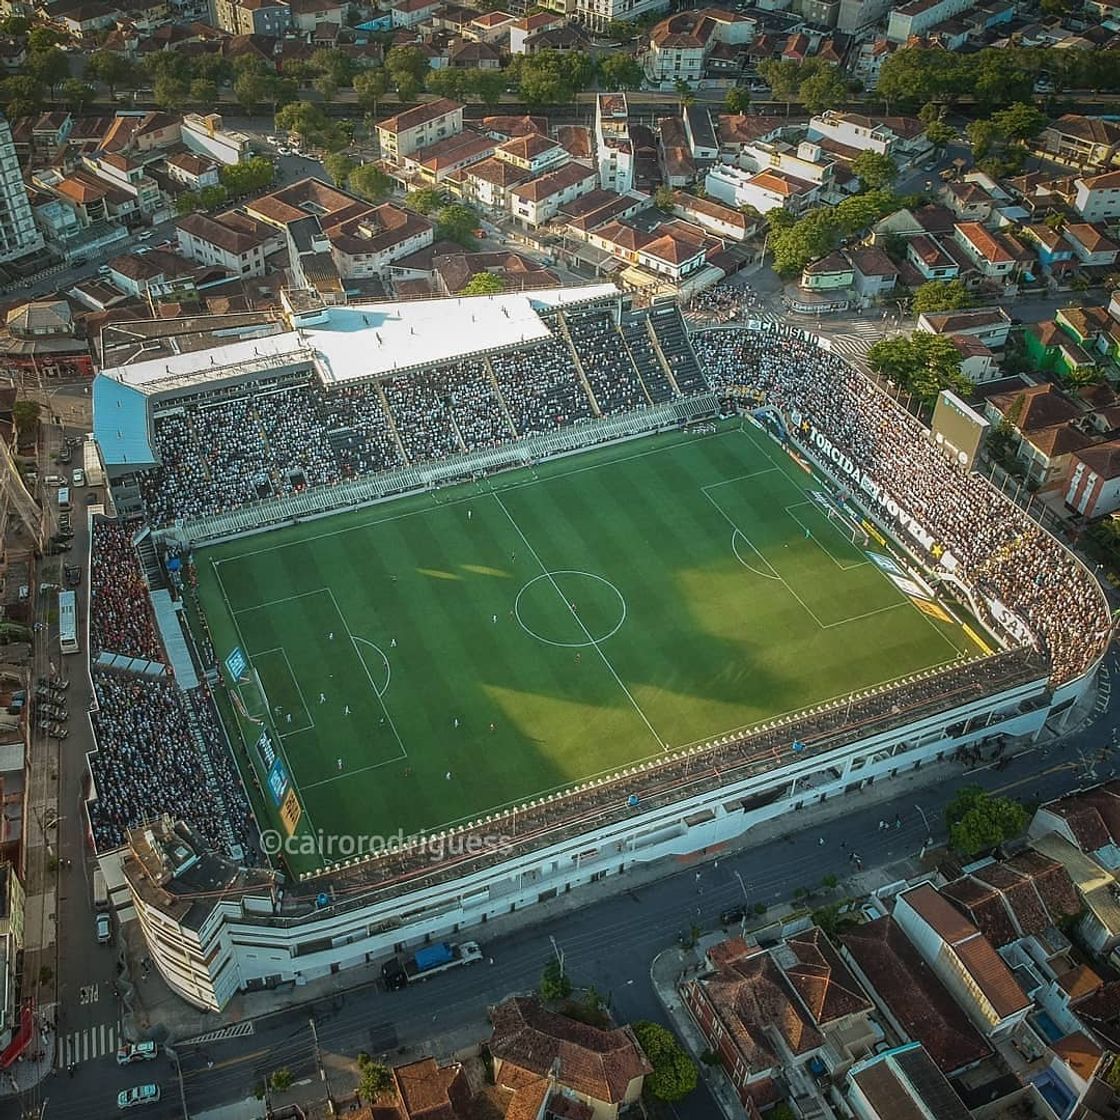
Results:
100 890
91 463
399 972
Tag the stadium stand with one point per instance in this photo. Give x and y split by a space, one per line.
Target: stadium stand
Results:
116 624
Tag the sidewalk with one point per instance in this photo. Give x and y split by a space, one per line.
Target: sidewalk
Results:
152 1010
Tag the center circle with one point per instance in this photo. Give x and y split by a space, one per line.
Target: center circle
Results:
570 609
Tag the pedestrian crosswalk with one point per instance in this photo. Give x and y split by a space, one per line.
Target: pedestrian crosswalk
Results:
856 338
84 1046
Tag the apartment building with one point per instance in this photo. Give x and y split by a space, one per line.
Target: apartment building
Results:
19 235
919 16
614 150
415 128
252 17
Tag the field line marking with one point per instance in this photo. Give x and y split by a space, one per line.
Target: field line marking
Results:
428 508
813 537
352 773
735 534
579 621
738 478
295 680
277 602
723 513
279 738
369 676
388 667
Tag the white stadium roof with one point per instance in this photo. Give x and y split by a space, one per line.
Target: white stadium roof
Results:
356 341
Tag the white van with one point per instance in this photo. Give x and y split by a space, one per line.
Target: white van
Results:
64 497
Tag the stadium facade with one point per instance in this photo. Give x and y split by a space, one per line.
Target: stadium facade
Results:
214 928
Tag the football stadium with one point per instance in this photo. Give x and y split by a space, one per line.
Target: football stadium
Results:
449 606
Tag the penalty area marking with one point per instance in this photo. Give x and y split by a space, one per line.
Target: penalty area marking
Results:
738 534
591 641
388 668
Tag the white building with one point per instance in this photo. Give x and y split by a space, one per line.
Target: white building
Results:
205 135
1098 198
679 46
614 150
918 16
194 171
214 241
419 127
597 14
534 202
852 129
764 190
19 235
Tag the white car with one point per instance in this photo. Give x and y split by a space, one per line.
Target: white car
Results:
104 270
78 476
137 1052
281 150
145 235
138 1095
104 929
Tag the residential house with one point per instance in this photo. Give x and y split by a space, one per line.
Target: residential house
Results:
675 251
40 339
232 241
997 256
853 130
419 127
678 48
1093 487
1040 419
1091 143
411 13
1092 247
968 200
990 325
678 168
911 996
436 162
538 1051
904 1081
832 271
933 258
367 244
136 273
614 150
764 190
1098 197
128 175
464 54
488 183
490 27
523 30
1055 253
533 154
309 16
193 171
51 130
717 219
874 274
702 142
771 1012
534 202
978 362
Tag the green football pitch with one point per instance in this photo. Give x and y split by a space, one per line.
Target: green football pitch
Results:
430 660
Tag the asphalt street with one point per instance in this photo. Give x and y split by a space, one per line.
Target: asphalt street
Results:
609 944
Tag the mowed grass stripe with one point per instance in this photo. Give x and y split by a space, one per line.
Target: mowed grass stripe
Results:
707 645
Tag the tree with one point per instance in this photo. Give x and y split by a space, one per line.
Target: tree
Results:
370 182
823 90
281 1080
551 77
738 100
212 67
663 199
76 94
21 95
14 26
939 134
371 86
620 71
211 197
874 170
941 295
425 200
49 66
554 982
338 166
42 39
111 69
487 85
308 121
170 92
483 284
244 178
26 415
204 92
457 222
187 203
783 78
250 89
449 82
920 363
407 68
982 136
374 1078
1020 121
977 820
674 1073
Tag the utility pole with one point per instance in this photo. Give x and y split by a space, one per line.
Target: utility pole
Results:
559 954
319 1063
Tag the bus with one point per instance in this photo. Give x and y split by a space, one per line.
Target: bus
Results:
64 497
68 621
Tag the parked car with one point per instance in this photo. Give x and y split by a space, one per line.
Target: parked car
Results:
103 270
733 916
136 1052
104 929
78 476
144 235
138 1095
53 480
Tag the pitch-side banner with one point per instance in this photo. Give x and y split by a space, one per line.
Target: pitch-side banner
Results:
867 484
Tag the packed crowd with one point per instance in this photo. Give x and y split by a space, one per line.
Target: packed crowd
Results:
119 618
722 303
237 817
275 436
147 762
995 546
